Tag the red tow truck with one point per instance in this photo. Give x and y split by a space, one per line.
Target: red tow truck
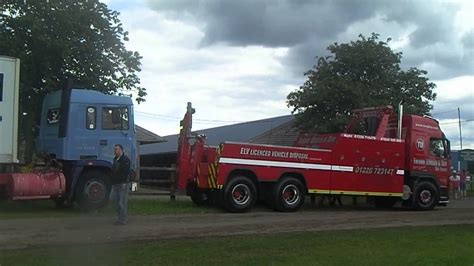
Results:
381 155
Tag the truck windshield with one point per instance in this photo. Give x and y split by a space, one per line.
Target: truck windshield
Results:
438 148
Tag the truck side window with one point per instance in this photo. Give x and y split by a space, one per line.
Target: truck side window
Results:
115 118
53 116
91 118
437 148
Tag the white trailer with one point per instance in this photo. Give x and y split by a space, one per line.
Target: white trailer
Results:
9 93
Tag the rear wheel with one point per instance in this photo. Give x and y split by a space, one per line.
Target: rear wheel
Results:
198 196
289 194
93 190
240 194
426 196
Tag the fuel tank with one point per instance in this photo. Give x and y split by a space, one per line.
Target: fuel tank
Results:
35 185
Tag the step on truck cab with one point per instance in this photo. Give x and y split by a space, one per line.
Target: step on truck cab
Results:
378 156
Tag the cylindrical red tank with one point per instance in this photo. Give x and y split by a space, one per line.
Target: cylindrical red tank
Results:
36 185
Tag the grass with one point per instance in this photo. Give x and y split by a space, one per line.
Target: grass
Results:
439 245
47 208
470 193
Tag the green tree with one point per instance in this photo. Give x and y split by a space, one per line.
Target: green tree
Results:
59 40
362 73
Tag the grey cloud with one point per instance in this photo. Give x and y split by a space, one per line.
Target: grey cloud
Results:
271 23
447 114
468 40
434 21
427 36
175 5
308 27
448 109
303 56
441 61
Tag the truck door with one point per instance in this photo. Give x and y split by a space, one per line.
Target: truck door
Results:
438 160
83 137
116 128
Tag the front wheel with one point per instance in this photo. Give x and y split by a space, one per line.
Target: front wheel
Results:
240 194
426 196
93 190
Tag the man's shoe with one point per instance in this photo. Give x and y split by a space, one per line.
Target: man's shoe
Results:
120 223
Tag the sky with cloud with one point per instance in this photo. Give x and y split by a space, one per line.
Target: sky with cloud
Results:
237 61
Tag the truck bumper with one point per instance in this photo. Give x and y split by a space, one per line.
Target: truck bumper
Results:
443 197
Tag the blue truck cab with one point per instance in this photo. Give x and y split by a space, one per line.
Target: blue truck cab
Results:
79 129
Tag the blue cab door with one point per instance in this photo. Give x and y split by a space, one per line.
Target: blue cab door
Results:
116 128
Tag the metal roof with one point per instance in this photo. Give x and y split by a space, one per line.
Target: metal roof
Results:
146 137
241 132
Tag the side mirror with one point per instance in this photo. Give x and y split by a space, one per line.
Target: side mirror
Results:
448 147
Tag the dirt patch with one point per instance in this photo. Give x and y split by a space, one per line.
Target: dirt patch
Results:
23 233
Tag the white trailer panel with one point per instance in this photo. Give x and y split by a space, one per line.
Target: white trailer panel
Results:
9 92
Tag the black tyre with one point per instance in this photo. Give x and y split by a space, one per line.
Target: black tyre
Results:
240 194
61 202
200 198
426 196
289 194
385 202
93 190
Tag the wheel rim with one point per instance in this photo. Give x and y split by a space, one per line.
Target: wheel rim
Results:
241 194
95 191
290 194
425 197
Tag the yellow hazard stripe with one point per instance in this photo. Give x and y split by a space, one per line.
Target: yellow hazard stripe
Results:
212 175
361 193
198 174
367 193
214 169
319 191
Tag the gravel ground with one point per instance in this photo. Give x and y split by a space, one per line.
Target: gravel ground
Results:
24 233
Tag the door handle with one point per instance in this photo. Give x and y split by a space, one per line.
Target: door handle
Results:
103 142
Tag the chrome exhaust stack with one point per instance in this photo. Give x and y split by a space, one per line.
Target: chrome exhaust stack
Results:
400 116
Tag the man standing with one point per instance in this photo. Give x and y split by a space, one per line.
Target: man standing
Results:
120 184
462 184
454 180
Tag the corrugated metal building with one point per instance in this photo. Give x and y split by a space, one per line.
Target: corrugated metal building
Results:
274 131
